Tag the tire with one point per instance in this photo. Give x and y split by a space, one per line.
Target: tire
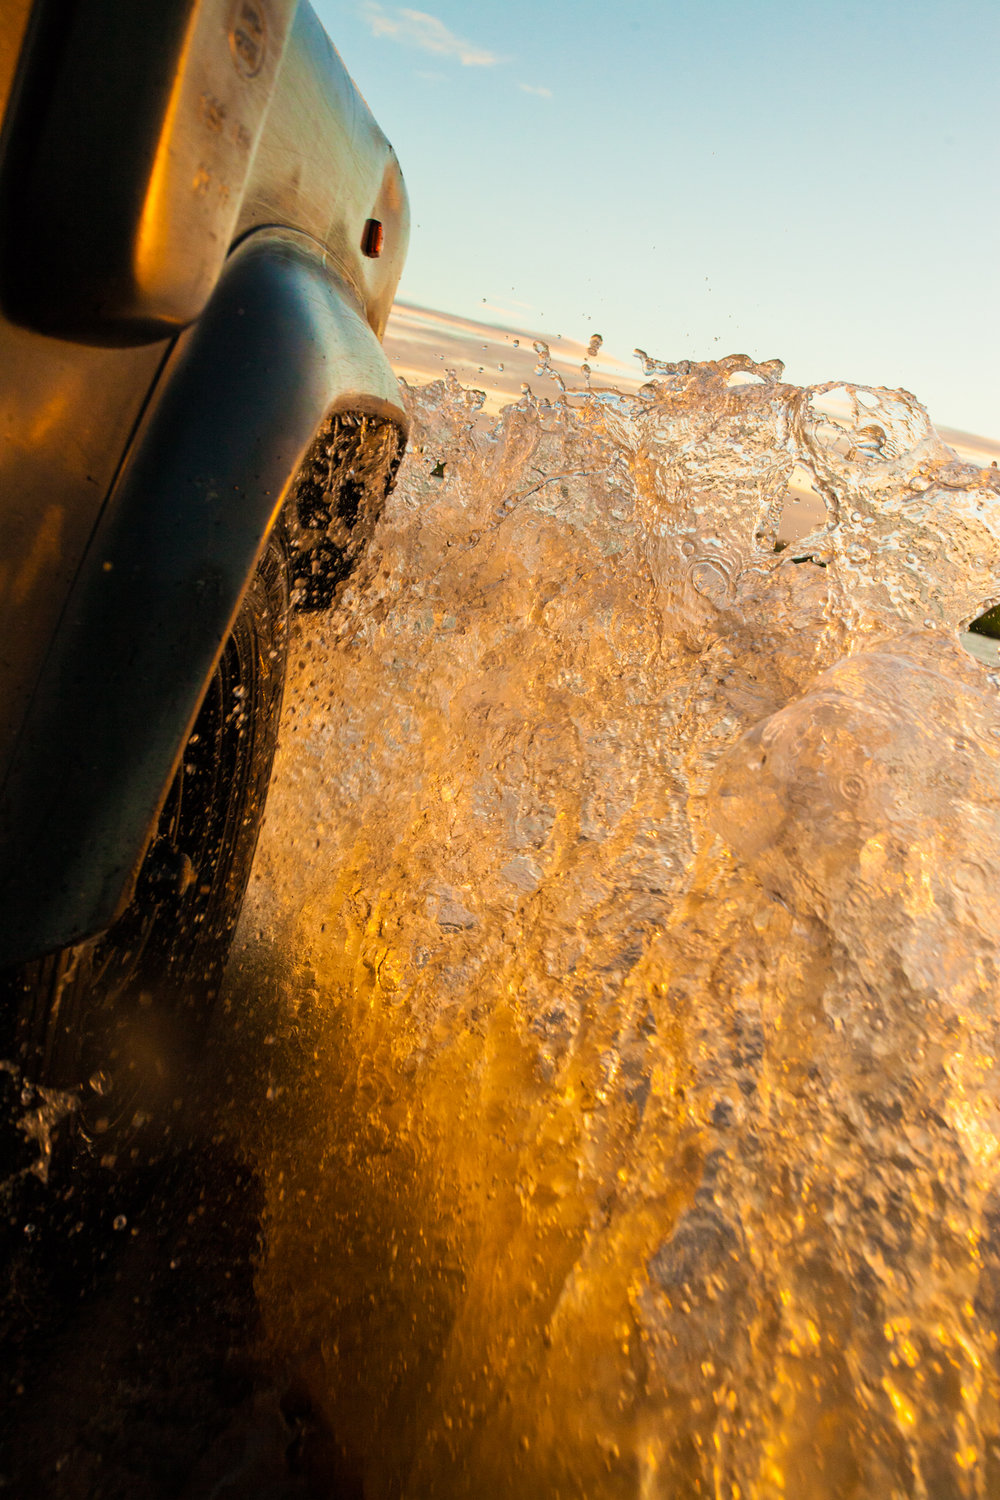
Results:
338 498
119 1018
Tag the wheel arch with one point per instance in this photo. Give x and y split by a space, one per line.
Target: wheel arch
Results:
282 346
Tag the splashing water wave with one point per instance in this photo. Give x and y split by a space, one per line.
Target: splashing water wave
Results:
628 886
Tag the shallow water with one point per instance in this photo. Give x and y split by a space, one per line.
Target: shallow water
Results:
627 891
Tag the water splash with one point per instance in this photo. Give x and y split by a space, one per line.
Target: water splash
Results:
628 886
545 365
36 1113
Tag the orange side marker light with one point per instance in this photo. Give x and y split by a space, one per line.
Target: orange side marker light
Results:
372 239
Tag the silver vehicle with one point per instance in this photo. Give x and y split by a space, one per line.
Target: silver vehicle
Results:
201 232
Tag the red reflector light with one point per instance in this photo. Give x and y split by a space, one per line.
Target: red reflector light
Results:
371 240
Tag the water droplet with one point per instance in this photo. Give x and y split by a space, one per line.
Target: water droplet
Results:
544 365
120 1222
868 443
593 347
709 578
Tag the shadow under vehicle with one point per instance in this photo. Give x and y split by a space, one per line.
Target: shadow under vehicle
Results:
201 233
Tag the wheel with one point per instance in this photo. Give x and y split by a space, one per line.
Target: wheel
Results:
118 1018
337 501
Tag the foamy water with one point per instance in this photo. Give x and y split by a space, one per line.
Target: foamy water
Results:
628 887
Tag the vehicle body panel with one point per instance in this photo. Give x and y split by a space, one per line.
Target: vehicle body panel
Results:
324 165
65 422
138 485
142 142
132 130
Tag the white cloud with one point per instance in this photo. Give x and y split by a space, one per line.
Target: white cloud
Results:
415 28
531 88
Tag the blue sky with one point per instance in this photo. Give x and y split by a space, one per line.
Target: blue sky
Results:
812 181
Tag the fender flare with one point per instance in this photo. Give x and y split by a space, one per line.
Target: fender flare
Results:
282 345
